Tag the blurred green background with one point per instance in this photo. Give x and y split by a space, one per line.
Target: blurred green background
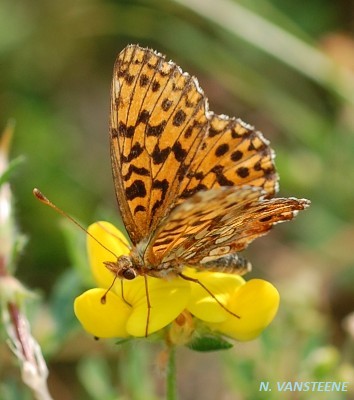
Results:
287 68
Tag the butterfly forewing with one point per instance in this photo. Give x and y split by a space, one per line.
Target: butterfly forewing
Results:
166 145
158 121
232 154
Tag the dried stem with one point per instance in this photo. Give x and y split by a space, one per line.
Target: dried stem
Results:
34 371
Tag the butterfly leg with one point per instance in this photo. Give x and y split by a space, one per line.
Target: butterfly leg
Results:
122 293
148 306
195 280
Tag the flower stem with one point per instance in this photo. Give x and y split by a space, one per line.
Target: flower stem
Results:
171 389
34 370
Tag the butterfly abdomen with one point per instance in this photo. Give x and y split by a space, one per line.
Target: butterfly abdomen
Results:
232 263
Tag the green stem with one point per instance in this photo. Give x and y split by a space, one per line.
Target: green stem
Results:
171 388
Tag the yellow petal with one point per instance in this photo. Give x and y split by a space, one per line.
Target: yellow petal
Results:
256 303
221 285
112 239
103 320
167 299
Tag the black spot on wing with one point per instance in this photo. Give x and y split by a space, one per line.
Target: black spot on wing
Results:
242 172
188 132
155 130
144 80
138 171
179 152
135 152
269 173
143 117
220 177
197 175
235 134
125 131
190 192
182 170
179 118
212 132
146 58
139 208
129 79
159 155
236 155
114 133
166 104
163 186
155 86
222 149
136 189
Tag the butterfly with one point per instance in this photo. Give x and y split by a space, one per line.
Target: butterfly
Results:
193 187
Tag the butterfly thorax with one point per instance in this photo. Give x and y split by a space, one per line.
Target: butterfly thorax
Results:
132 265
127 266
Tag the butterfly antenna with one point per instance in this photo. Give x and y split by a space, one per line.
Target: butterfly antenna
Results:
104 297
114 235
40 196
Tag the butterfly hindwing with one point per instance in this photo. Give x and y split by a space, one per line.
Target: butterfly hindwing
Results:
217 222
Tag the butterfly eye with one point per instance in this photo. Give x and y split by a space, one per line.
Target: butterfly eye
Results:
129 274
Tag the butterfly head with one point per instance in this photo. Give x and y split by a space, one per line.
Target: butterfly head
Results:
122 268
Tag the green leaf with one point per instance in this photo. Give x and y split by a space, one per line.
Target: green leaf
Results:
209 343
13 164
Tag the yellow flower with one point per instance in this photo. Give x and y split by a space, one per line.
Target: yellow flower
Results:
122 310
124 314
255 302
